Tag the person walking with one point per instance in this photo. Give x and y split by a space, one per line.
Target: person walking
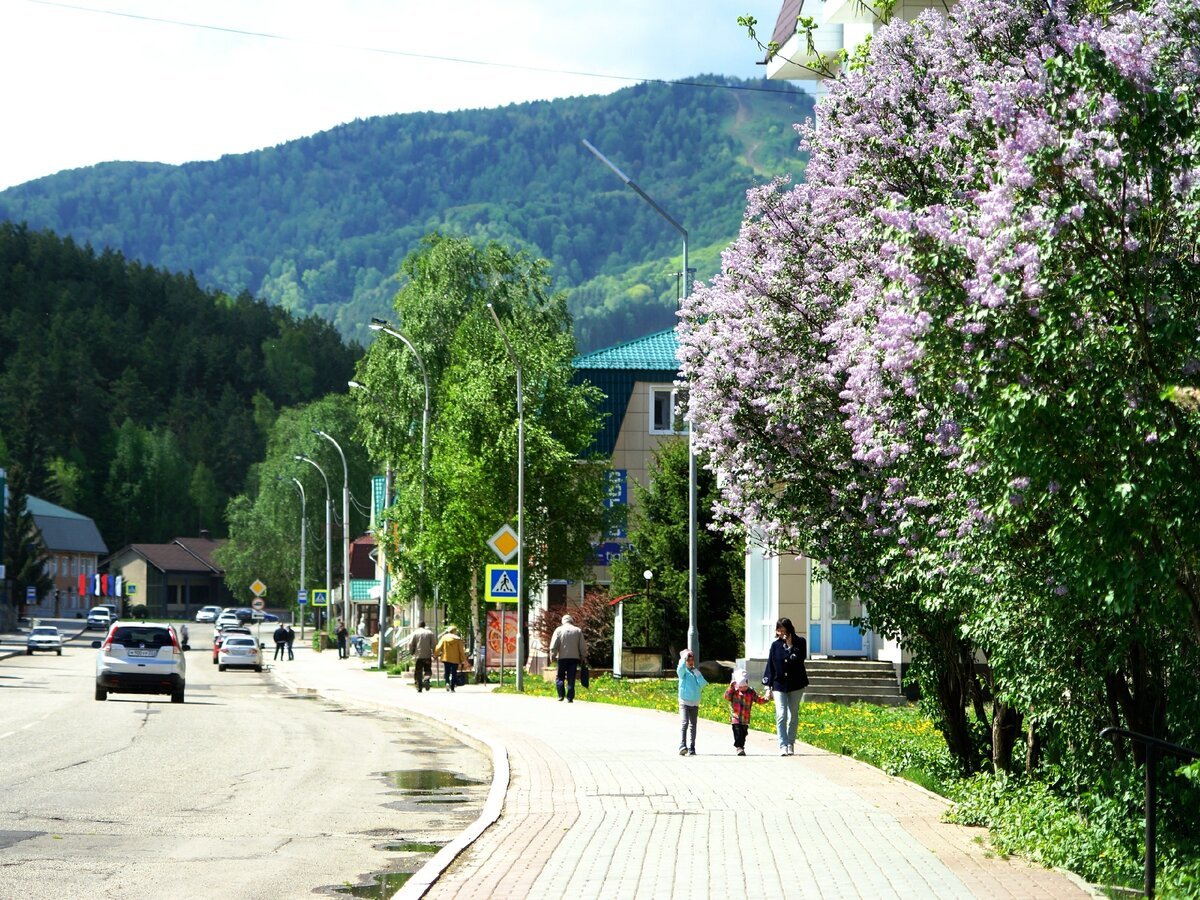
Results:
453 653
280 636
741 699
691 683
342 636
420 647
568 648
291 639
786 677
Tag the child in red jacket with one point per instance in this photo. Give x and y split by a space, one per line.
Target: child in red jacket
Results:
741 699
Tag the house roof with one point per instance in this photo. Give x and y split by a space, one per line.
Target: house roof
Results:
63 530
616 369
785 25
654 352
181 555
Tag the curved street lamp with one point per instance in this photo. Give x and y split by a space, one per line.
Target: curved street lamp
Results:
387 328
303 532
328 527
345 527
693 628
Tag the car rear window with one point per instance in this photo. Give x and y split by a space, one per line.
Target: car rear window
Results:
240 642
131 635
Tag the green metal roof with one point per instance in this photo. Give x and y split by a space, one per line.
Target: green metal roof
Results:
616 369
655 352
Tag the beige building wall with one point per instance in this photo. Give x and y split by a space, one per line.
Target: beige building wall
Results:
634 451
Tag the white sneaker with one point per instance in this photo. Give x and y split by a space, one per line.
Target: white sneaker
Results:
783 751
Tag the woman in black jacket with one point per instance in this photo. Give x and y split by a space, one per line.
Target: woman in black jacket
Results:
786 677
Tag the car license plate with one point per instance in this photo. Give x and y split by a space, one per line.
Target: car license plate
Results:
143 652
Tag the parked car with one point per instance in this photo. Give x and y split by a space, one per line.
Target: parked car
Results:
113 610
43 637
208 613
227 618
221 634
265 617
99 617
140 658
239 651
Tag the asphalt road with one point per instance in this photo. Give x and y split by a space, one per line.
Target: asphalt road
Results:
245 790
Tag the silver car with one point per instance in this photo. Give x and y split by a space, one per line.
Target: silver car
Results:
43 637
140 658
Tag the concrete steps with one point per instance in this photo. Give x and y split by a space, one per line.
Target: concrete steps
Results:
852 681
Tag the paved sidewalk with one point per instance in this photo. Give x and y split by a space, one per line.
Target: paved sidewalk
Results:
592 801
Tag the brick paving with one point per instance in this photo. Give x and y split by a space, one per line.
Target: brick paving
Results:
592 801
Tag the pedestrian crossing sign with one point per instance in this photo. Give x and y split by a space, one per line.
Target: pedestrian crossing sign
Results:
320 597
503 583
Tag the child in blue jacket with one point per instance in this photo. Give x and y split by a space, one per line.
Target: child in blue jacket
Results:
691 683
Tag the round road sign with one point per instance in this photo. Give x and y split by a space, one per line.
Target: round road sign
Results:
258 603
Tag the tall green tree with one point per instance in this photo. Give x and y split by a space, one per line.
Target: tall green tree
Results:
25 557
658 542
449 506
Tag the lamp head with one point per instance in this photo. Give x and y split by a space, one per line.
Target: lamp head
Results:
647 574
356 384
377 324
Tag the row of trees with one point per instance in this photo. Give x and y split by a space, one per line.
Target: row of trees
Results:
943 367
450 498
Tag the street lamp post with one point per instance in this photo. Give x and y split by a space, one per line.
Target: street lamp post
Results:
693 629
345 528
521 651
303 527
328 528
387 328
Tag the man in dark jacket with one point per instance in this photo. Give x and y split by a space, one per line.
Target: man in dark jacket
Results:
280 641
420 645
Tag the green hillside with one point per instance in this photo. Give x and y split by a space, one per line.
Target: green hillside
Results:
131 395
321 224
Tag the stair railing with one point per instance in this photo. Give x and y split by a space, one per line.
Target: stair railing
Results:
1154 748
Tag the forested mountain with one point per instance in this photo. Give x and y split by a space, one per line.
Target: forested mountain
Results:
321 224
131 395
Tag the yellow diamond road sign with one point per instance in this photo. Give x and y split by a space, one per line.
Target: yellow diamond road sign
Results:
258 588
504 543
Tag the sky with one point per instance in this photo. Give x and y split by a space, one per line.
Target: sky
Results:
90 81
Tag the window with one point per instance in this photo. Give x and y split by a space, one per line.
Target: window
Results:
666 410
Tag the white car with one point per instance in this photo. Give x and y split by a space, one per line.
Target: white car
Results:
43 637
140 658
239 652
99 617
227 618
208 614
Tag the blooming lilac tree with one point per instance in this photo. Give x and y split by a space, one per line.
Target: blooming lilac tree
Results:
942 365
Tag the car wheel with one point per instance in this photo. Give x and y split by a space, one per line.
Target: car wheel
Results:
101 693
60 651
222 668
258 668
177 697
214 660
29 651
